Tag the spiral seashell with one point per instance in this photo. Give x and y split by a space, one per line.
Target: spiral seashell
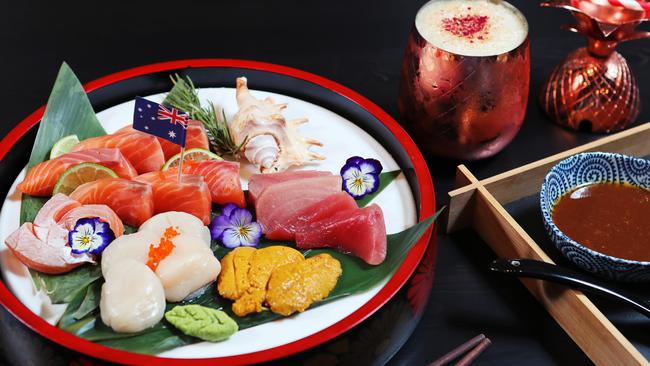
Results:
262 150
274 144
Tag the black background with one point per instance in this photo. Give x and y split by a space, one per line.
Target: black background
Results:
358 44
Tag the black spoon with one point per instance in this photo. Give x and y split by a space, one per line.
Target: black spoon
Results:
568 277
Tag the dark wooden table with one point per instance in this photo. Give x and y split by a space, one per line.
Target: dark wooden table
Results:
356 43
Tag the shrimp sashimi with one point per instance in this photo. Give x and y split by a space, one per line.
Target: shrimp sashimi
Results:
182 221
141 149
40 179
103 212
190 195
131 200
43 246
49 255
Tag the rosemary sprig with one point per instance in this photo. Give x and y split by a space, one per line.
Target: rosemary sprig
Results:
184 96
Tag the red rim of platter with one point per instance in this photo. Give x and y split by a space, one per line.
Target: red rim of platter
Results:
427 207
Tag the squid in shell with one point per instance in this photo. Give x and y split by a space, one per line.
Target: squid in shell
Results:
273 143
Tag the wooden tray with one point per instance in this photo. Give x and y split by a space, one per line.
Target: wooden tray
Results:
480 204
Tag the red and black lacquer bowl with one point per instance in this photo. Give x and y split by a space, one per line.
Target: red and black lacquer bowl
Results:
371 334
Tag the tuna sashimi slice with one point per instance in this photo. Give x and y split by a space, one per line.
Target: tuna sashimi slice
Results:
40 180
132 201
141 149
222 178
280 204
103 212
190 195
360 231
259 182
195 137
51 255
328 206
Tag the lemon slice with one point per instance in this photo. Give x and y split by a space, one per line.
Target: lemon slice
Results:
79 174
195 154
63 146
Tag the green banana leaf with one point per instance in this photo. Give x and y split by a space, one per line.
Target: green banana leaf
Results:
68 112
357 277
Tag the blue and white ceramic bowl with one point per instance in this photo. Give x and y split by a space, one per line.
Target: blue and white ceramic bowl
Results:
587 168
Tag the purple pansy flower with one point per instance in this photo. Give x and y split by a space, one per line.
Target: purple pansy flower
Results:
361 176
90 235
235 227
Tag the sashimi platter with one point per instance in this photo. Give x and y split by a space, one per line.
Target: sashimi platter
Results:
204 223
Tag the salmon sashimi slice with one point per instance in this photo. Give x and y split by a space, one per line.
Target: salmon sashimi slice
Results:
360 231
132 201
322 209
51 255
222 178
40 180
195 137
259 182
141 149
280 204
191 195
103 212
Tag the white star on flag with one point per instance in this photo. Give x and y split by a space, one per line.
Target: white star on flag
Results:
146 127
172 134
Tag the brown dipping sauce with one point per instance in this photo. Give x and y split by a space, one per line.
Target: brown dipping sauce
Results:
609 218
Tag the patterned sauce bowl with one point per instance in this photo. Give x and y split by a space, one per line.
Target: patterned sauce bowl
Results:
588 168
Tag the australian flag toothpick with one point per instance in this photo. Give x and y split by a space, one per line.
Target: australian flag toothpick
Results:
156 119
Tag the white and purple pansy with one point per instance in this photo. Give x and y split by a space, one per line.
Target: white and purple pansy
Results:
235 227
90 235
361 176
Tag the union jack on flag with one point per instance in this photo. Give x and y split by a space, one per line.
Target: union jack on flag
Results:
156 119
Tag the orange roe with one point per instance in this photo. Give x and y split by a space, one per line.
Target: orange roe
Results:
159 252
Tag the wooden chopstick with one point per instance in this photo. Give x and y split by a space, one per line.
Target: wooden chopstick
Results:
475 346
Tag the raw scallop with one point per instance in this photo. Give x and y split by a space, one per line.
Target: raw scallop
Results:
188 268
132 246
359 231
132 297
184 222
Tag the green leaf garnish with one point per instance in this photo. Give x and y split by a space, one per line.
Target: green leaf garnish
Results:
185 97
385 179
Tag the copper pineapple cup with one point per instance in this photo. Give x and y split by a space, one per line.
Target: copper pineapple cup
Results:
593 89
462 107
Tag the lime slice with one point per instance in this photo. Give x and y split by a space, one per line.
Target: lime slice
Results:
79 174
195 154
63 146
